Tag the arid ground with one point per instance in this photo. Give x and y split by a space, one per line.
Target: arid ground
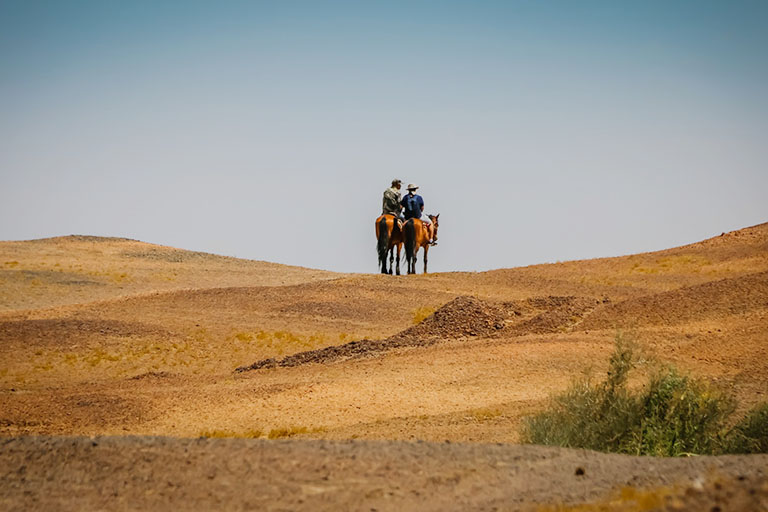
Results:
140 376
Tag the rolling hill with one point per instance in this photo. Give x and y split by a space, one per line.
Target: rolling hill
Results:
105 336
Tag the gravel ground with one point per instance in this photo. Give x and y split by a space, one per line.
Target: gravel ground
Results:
158 473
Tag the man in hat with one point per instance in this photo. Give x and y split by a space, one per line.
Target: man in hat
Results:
391 202
413 205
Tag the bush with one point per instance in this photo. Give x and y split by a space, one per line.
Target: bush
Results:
750 435
681 415
671 415
597 417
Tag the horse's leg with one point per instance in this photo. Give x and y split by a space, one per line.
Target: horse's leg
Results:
399 246
391 258
383 262
426 250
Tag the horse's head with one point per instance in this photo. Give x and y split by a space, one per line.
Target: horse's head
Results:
435 224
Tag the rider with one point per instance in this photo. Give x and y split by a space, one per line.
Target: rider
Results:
413 205
391 202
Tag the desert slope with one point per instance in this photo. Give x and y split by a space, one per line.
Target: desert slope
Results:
457 356
554 321
77 269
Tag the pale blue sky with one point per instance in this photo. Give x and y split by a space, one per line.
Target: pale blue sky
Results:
541 131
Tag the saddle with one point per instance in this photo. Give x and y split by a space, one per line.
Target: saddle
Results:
399 222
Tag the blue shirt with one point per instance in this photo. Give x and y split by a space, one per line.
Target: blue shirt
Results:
413 205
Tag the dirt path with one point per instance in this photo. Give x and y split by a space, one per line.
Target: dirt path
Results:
156 473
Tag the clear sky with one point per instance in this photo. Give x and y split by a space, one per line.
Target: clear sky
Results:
541 131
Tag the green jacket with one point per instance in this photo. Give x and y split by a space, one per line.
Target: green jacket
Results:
391 203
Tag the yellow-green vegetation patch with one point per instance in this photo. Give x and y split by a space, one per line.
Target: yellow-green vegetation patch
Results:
112 275
247 434
421 314
277 433
243 336
627 499
279 342
669 264
481 415
283 432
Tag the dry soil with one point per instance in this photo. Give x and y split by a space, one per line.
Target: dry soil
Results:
129 341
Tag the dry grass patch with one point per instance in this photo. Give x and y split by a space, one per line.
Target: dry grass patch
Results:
200 351
248 434
486 414
283 342
278 433
421 314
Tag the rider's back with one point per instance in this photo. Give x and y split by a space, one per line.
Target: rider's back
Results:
413 204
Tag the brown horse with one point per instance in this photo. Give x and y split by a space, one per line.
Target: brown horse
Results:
417 236
389 235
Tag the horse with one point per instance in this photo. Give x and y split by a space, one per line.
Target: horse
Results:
416 236
389 235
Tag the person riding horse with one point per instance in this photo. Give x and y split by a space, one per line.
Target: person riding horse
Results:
391 203
413 207
389 229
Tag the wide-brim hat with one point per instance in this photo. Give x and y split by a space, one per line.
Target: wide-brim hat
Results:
412 186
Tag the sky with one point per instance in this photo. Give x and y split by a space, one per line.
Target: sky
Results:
541 131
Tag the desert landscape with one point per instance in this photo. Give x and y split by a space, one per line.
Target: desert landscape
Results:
142 376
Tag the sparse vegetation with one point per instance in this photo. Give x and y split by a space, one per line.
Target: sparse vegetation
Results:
626 499
420 314
277 433
679 263
199 350
279 342
243 336
481 415
670 415
249 434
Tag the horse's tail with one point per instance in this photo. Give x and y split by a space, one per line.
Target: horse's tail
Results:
382 243
410 239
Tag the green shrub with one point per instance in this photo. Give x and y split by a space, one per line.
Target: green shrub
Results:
750 435
671 415
597 417
582 417
681 415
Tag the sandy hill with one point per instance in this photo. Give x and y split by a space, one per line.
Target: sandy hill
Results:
114 336
140 319
77 269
